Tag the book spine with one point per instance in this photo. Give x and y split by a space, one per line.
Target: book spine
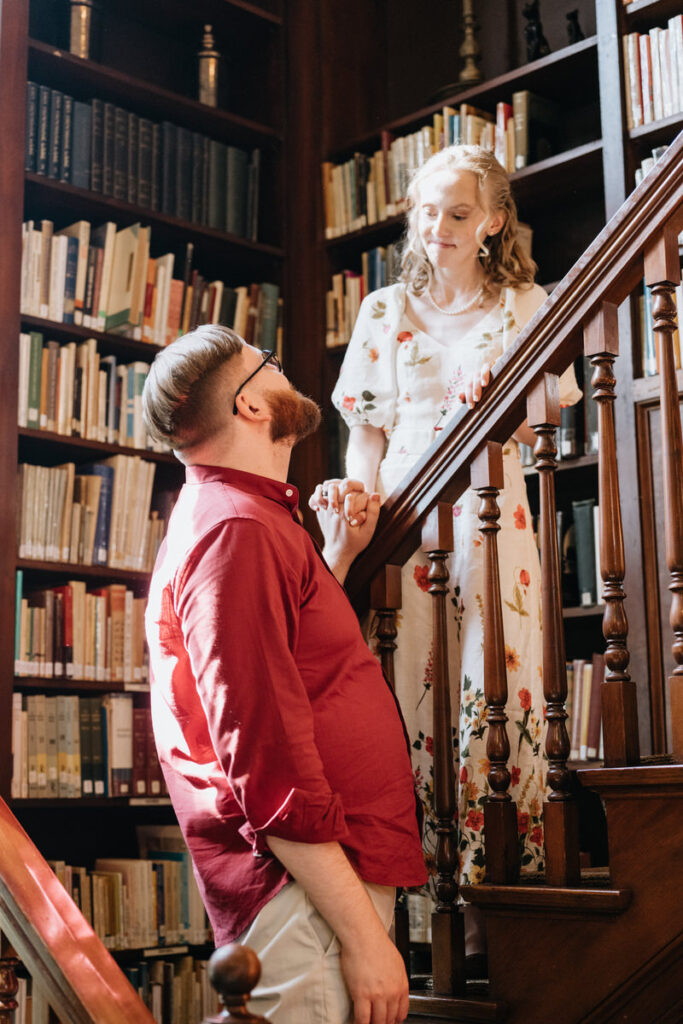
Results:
31 140
97 146
144 172
108 149
585 550
54 133
156 166
82 174
43 129
169 144
120 182
65 149
132 158
183 182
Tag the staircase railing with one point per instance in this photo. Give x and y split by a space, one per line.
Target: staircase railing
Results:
640 241
72 971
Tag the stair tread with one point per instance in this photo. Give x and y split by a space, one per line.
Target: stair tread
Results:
594 894
470 1008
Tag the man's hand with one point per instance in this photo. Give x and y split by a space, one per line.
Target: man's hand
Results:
376 979
346 534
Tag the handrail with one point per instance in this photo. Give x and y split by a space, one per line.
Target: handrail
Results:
77 975
609 270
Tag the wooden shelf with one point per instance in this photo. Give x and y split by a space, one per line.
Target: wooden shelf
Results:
45 195
579 67
643 14
88 802
61 684
375 234
107 344
579 463
583 611
86 572
646 389
658 133
88 79
35 439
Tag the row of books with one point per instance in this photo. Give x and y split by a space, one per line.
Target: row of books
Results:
99 515
653 73
70 389
68 746
380 266
584 707
175 991
67 632
103 148
577 541
367 189
105 279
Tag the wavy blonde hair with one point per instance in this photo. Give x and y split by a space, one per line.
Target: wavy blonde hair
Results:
501 256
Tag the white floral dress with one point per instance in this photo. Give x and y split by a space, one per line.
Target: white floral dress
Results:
398 378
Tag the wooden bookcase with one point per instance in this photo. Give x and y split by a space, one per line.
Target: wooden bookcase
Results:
144 60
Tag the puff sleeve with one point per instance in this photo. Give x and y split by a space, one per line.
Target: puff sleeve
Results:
520 306
366 390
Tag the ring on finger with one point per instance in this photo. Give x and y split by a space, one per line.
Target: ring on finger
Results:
324 492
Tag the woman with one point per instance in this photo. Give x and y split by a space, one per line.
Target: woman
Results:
418 349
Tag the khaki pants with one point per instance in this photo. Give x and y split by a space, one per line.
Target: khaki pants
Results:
301 980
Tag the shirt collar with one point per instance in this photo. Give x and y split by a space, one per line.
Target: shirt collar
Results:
284 493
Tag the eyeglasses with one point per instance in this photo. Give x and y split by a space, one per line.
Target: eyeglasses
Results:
268 357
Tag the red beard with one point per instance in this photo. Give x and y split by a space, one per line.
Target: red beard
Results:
293 415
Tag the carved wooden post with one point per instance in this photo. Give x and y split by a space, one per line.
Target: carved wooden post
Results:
619 701
385 599
560 818
500 811
234 971
8 981
662 274
448 937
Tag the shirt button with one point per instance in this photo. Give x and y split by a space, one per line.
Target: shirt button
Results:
289 492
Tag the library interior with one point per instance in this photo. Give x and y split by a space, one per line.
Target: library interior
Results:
249 163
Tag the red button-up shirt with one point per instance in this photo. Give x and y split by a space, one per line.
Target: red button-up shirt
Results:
270 714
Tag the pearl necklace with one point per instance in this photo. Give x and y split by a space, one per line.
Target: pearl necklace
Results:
461 309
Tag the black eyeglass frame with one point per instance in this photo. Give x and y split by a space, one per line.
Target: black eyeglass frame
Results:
268 357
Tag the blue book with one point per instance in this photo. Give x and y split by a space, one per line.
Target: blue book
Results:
81 168
54 133
236 192
103 523
43 129
169 148
31 142
70 280
66 142
97 145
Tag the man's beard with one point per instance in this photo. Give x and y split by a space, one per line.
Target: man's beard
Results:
294 416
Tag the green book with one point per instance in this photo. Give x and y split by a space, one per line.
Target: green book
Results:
34 380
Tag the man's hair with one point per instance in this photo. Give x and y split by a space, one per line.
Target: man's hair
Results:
179 404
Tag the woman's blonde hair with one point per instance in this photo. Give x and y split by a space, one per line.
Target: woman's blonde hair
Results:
504 261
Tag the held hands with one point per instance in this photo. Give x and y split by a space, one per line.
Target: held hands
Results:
347 515
472 386
377 983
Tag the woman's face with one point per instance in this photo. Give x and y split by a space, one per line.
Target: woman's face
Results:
450 216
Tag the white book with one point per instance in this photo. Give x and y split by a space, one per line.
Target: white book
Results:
657 94
35 271
57 277
165 264
24 362
676 36
598 575
102 407
105 238
666 73
25 260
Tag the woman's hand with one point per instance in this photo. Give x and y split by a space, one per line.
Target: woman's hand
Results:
471 387
345 496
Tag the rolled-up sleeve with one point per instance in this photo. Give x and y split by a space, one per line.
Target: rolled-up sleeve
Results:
238 603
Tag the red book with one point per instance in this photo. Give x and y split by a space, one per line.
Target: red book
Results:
67 631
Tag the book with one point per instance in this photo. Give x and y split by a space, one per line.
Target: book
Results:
537 122
31 128
595 706
236 191
66 139
582 512
81 148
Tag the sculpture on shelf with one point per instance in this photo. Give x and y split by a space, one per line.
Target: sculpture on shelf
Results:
536 43
83 13
469 50
574 30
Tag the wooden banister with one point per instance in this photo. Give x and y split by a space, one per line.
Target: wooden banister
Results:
234 971
609 270
69 965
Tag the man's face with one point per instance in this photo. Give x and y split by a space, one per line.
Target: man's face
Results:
294 416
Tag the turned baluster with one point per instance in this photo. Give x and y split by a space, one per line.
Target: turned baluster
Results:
662 274
500 811
560 819
9 985
385 599
619 700
234 971
448 939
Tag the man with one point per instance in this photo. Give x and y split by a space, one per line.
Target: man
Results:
281 743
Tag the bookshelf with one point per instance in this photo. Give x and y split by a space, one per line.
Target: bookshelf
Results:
143 61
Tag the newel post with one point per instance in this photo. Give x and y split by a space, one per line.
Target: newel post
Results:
8 981
560 816
448 936
385 600
500 811
619 701
662 274
234 971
